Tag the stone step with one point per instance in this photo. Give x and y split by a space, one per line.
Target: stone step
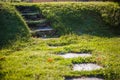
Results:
85 78
53 38
38 30
42 29
26 9
36 21
74 55
39 26
33 17
30 14
86 67
43 33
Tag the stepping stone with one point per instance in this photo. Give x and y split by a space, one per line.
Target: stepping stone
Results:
86 67
84 78
73 55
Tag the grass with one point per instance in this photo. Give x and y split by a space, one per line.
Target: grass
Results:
12 25
37 60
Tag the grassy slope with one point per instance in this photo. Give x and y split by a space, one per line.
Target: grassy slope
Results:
12 26
94 18
83 18
37 60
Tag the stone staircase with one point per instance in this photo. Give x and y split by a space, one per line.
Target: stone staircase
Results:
38 24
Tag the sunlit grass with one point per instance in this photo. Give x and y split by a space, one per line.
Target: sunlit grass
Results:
36 59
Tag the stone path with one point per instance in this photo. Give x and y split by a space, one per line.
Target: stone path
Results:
40 27
82 66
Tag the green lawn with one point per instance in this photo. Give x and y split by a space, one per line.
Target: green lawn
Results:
38 59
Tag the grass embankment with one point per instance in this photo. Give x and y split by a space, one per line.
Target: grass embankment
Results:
83 18
38 59
94 18
12 25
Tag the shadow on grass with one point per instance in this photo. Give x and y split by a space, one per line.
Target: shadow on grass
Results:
87 23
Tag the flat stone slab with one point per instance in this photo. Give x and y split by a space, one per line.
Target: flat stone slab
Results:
86 67
73 55
85 78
